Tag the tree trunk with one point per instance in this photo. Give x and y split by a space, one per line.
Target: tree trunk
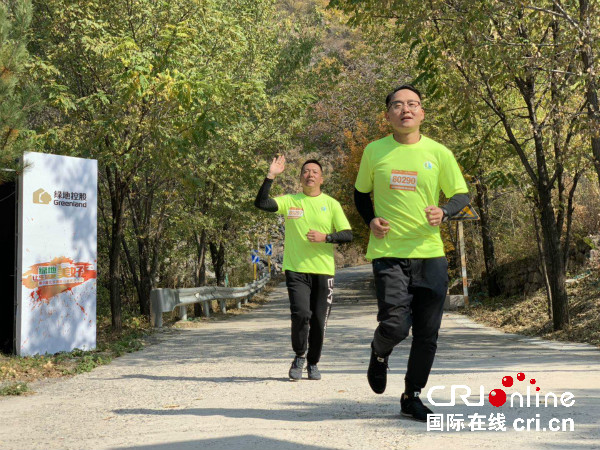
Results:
588 58
132 270
489 254
200 272
554 262
148 237
141 213
548 221
542 257
117 201
570 211
217 255
146 289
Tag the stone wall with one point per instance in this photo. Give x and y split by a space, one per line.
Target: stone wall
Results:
523 276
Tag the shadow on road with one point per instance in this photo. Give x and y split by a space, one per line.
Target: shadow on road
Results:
243 441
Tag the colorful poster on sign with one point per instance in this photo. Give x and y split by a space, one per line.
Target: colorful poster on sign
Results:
56 294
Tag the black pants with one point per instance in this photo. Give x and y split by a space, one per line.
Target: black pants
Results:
311 296
410 292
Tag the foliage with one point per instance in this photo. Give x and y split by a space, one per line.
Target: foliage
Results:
520 62
16 93
185 102
178 101
14 389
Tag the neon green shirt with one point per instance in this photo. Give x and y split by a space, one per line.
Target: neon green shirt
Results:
405 179
304 213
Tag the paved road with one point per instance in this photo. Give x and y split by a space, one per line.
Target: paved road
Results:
225 386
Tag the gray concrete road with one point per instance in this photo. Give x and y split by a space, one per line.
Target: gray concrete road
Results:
225 386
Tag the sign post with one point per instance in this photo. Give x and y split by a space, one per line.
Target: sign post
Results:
467 213
269 252
56 254
255 259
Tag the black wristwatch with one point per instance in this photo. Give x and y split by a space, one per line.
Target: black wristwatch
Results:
329 239
445 217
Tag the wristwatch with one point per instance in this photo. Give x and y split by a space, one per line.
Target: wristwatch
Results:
328 239
445 216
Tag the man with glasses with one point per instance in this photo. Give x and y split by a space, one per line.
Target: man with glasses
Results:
313 221
406 171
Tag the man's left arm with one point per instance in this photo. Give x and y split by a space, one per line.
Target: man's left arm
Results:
340 222
455 204
436 215
339 237
454 187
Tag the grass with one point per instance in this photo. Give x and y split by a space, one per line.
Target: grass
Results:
17 372
16 388
529 315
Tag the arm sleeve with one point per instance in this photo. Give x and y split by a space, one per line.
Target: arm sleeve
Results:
262 198
456 203
340 237
364 205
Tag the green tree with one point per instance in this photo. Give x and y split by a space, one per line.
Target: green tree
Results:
16 95
517 62
582 19
177 100
125 78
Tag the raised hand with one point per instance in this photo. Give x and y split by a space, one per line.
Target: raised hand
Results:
276 167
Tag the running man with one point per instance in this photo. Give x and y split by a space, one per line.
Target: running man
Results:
313 221
406 171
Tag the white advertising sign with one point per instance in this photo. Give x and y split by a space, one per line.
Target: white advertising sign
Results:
56 256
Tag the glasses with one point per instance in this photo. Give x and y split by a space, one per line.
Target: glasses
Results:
399 106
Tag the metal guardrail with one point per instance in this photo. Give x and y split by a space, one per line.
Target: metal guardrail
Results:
166 300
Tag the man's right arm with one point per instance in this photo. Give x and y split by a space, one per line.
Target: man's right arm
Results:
362 199
378 225
364 206
262 199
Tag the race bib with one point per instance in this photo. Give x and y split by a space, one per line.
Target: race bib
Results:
295 213
402 180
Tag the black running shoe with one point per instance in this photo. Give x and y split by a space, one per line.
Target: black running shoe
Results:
313 372
296 369
377 372
412 406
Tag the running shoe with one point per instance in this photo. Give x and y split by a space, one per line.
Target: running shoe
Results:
377 372
313 372
412 406
296 369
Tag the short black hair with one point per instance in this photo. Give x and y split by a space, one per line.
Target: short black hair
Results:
311 161
410 87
